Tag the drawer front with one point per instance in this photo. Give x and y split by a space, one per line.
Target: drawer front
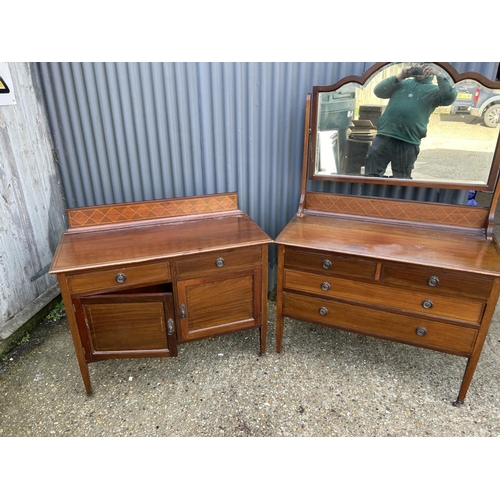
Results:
429 279
204 264
432 304
329 264
418 331
119 278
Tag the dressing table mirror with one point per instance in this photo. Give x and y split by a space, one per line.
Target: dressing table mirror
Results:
396 249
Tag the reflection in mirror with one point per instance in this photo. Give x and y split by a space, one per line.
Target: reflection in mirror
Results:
446 136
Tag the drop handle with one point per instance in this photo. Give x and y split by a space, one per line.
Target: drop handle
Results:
120 278
170 326
327 264
219 262
183 311
323 311
427 304
325 286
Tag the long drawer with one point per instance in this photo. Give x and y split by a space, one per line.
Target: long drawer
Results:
419 331
427 279
117 278
428 302
210 263
330 264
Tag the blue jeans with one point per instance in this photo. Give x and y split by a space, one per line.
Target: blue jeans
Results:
402 156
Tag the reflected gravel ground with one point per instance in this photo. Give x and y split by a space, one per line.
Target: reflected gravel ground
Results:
324 383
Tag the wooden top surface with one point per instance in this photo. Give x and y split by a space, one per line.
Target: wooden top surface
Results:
434 247
148 241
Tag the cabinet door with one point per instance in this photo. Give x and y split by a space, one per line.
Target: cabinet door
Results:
126 325
213 305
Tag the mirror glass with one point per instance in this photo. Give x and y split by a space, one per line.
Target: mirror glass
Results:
409 123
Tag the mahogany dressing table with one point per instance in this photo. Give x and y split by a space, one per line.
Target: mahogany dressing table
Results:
365 256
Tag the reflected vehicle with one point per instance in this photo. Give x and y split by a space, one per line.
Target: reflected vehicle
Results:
477 101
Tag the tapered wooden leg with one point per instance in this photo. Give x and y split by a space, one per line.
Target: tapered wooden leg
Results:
467 378
279 299
75 334
279 330
263 326
478 346
84 370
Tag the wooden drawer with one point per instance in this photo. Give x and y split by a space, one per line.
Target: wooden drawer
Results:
440 336
204 264
430 279
432 304
119 278
330 264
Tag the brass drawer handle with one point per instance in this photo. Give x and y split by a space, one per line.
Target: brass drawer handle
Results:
325 286
433 281
421 331
427 304
170 326
120 278
323 311
327 264
219 262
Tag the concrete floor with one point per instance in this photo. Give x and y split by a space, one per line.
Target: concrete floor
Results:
324 383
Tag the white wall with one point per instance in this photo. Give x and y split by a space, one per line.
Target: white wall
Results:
32 216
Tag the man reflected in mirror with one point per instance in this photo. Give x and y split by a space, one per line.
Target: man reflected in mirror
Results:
413 97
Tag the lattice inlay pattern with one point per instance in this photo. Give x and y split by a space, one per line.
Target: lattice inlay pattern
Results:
452 215
176 207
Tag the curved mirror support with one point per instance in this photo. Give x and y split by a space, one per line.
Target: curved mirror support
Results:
419 124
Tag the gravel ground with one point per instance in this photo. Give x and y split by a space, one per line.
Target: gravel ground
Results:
325 383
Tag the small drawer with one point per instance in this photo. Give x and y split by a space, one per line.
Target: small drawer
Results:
423 332
119 278
204 264
439 306
330 264
435 280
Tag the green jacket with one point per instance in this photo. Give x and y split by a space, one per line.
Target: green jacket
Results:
410 106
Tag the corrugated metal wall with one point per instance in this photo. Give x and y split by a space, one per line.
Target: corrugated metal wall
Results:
31 206
139 131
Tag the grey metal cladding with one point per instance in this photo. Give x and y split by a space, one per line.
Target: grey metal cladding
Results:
133 131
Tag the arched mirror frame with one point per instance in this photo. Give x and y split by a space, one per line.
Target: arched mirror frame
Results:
489 186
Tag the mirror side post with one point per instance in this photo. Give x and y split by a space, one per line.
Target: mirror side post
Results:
496 194
305 155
